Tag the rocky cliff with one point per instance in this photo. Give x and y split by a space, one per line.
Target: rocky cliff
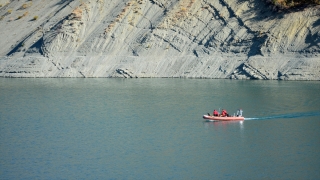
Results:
233 39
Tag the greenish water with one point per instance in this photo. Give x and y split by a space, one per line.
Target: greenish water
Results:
153 129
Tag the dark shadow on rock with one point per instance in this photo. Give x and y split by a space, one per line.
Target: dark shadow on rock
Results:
255 48
261 10
36 47
317 23
17 48
241 71
22 44
64 2
267 11
313 40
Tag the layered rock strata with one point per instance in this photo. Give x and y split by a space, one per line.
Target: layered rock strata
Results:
232 39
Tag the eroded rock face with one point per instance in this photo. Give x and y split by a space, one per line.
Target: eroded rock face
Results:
159 38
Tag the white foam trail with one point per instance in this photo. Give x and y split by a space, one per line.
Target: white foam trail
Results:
296 115
251 118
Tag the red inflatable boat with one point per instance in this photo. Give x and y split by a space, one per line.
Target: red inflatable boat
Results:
219 118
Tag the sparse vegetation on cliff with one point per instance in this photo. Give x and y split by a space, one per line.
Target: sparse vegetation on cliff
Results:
285 4
23 15
77 13
25 6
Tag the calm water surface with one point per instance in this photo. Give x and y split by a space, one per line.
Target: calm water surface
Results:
153 129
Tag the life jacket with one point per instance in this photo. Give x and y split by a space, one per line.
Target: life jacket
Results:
224 113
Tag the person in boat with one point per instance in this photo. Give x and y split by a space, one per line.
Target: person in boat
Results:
215 113
239 113
224 113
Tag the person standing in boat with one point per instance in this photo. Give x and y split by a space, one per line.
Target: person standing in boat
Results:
239 113
215 113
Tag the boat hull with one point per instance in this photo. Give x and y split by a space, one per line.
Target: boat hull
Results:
218 118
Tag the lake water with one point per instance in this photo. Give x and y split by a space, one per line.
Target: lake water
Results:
153 129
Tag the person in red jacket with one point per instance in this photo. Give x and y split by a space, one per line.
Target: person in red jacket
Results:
224 113
215 113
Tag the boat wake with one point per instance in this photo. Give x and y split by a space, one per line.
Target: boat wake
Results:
295 115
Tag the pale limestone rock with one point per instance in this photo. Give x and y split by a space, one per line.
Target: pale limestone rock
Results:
159 38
